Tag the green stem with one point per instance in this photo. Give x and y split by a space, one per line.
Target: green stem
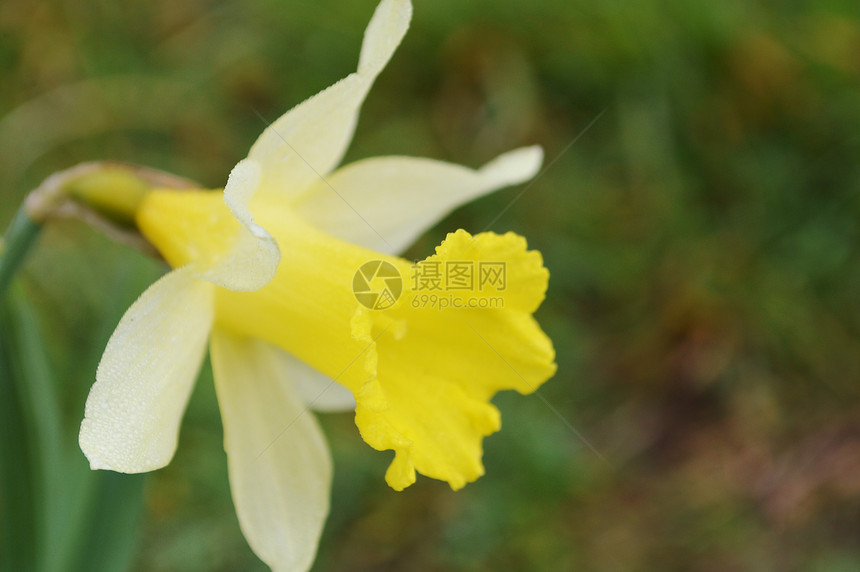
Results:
19 237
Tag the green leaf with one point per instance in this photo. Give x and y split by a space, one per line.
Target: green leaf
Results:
41 411
113 522
17 479
55 514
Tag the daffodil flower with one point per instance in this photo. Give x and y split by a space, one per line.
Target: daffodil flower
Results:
263 274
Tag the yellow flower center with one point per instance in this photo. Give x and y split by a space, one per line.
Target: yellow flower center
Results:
422 375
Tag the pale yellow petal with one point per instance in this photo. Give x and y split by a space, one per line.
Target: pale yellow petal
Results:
385 203
213 232
252 260
146 374
318 391
278 461
308 141
383 34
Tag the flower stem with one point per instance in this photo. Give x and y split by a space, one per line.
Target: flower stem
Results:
19 237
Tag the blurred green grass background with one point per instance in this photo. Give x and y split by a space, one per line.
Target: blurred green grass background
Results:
702 238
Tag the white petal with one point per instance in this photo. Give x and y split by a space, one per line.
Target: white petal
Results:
146 374
319 392
254 258
308 141
383 34
278 461
399 198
